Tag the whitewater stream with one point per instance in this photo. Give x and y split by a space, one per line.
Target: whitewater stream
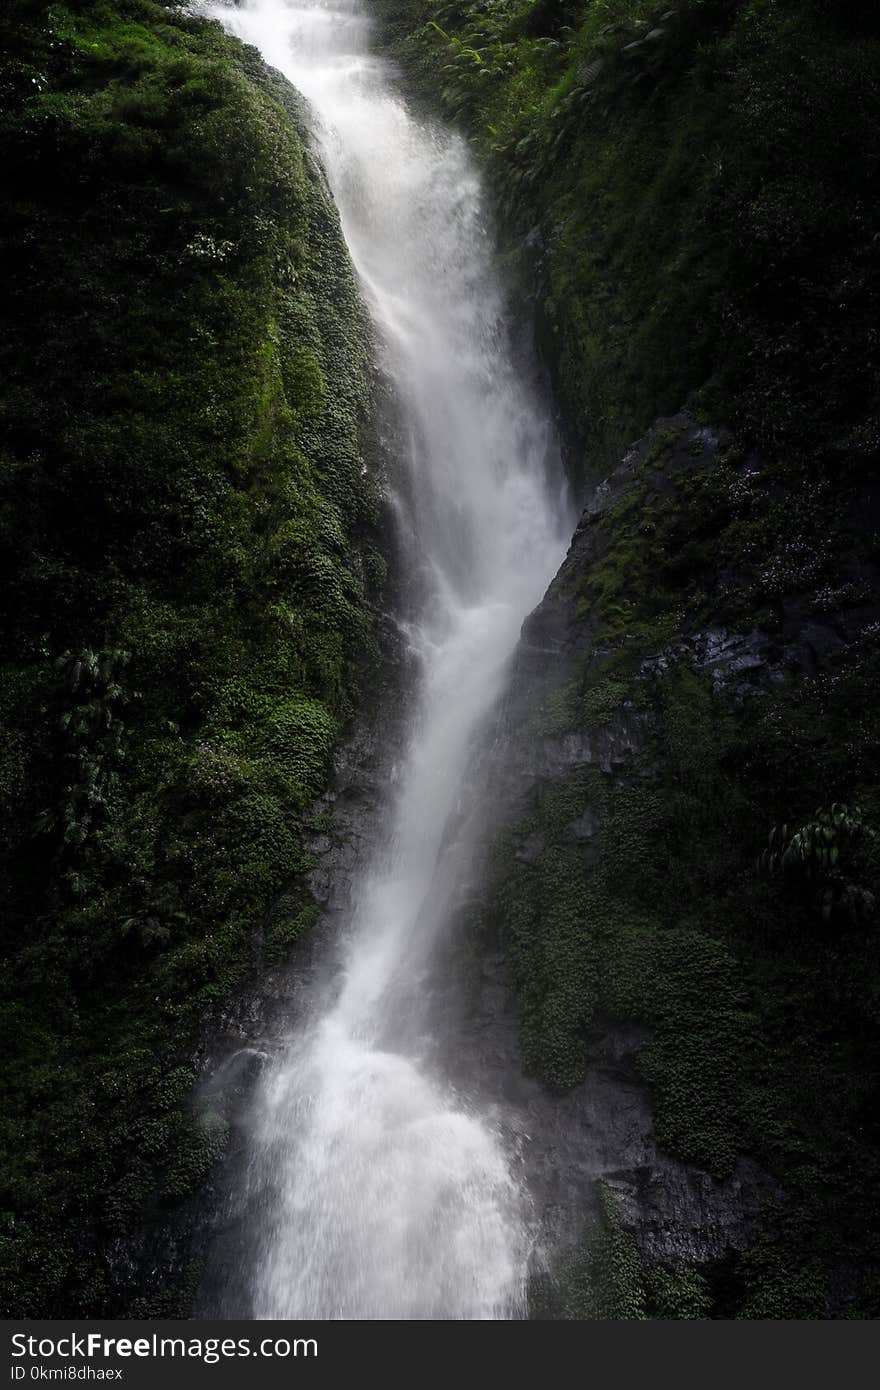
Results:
386 1192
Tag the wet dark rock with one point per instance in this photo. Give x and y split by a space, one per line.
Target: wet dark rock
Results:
680 1215
600 1134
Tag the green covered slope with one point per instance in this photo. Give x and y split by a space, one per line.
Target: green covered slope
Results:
688 191
696 848
190 551
696 185
189 507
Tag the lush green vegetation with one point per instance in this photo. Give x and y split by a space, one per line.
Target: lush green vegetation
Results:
188 523
695 180
716 901
608 1280
189 505
689 186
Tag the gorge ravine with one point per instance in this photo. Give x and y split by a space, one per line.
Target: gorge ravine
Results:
643 1030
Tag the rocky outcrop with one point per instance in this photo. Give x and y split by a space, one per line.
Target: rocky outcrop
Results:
648 955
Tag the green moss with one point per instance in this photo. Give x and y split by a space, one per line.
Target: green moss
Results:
545 910
606 1279
684 172
760 1009
759 1012
187 477
680 1294
685 210
196 1148
292 917
603 701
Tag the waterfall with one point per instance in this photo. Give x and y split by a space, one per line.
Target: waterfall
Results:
387 1193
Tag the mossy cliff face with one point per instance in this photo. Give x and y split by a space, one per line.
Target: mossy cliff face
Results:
688 187
189 533
684 192
689 753
651 746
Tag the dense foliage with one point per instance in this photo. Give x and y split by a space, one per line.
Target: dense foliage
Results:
690 188
694 184
716 901
188 506
188 513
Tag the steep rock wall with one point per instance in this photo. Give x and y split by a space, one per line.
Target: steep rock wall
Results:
192 554
648 747
678 195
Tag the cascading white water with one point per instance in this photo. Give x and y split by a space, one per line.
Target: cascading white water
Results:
388 1196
